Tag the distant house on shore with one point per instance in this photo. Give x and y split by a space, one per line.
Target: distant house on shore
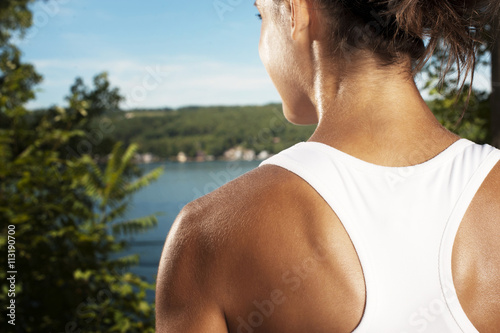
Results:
241 154
181 157
233 154
146 158
238 154
263 155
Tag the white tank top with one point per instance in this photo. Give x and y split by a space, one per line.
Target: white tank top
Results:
402 222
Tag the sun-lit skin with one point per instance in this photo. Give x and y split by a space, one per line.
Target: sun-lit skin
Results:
235 246
360 108
287 68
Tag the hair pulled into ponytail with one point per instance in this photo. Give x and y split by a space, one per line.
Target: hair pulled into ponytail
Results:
460 25
392 28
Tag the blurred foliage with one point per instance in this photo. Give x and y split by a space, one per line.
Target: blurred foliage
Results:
68 211
101 99
459 106
474 124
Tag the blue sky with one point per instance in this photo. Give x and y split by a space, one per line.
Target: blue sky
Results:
160 53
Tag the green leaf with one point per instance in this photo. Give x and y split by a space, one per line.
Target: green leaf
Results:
135 226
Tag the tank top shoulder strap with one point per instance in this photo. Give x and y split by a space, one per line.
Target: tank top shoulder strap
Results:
415 209
489 157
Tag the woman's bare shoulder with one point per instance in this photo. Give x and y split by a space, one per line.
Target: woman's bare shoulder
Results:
210 232
476 264
488 197
208 239
255 196
251 214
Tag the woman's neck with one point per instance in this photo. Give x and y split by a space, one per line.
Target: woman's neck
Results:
378 115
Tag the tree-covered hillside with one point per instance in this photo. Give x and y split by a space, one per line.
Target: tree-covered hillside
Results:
211 130
214 130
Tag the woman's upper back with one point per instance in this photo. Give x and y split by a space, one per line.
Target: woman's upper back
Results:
403 223
280 259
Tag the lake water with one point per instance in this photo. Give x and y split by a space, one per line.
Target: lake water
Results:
179 184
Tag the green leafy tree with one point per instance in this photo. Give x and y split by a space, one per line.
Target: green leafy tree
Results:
87 110
103 98
67 212
67 215
473 116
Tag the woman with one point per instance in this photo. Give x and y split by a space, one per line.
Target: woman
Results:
383 222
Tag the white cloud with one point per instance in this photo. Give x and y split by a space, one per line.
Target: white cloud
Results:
174 82
162 83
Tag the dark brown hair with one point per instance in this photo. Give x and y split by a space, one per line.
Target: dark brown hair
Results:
392 28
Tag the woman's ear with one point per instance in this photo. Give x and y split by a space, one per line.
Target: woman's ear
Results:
292 14
299 17
301 12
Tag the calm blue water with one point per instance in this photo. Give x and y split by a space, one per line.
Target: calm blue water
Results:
179 184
